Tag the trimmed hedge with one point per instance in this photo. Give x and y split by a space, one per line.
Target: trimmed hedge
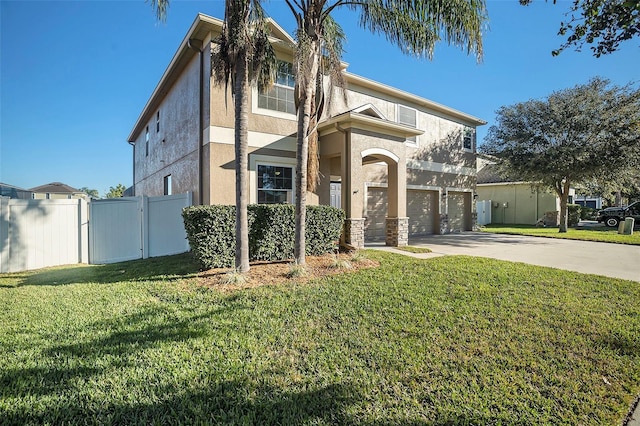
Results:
211 232
573 213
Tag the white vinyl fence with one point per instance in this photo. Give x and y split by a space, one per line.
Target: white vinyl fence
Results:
137 227
39 233
483 208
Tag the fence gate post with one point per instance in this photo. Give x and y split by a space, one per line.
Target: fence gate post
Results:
144 212
83 231
4 234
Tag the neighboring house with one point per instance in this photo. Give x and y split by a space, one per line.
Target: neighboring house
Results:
56 191
398 164
515 202
14 192
588 201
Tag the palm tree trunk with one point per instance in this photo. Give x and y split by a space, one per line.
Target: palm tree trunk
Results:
302 150
241 151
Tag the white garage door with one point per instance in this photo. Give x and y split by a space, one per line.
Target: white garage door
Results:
422 209
459 211
375 223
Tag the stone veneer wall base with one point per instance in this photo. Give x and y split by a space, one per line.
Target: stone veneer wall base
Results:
353 233
397 234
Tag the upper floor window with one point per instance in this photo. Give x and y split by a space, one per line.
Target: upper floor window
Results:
409 117
275 184
280 96
468 136
168 185
146 142
158 121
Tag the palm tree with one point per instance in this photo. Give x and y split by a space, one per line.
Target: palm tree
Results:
243 55
415 26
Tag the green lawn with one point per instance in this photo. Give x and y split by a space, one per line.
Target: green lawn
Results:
445 341
605 235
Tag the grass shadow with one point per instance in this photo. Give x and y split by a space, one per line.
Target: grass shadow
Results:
228 402
76 363
166 268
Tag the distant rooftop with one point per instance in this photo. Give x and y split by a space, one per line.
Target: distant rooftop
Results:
55 188
13 191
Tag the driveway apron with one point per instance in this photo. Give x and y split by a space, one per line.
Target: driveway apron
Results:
611 260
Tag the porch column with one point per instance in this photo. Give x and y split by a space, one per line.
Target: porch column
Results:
397 222
352 196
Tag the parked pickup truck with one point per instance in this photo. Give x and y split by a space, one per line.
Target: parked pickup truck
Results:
611 216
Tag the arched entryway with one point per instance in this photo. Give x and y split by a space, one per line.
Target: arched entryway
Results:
348 144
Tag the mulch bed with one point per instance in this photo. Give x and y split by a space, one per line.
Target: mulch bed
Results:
271 273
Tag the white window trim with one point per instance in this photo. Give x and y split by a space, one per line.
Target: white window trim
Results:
473 139
268 160
255 109
407 141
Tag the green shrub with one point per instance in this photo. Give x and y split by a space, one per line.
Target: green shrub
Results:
211 232
324 227
588 213
573 212
271 237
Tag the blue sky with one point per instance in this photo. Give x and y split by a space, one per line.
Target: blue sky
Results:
74 75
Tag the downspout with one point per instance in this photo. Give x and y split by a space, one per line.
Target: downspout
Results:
197 46
133 146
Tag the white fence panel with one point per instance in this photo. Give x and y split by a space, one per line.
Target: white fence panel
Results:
484 212
4 234
115 230
165 229
40 233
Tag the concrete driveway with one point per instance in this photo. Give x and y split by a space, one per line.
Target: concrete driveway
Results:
611 260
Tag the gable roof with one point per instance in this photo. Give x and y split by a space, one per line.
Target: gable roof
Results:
353 119
55 188
370 110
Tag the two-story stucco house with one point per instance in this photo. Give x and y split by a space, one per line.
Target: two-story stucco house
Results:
398 164
56 191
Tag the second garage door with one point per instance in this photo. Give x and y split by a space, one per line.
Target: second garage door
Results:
459 211
422 209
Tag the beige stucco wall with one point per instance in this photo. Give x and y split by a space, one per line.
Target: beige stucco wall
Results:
525 204
441 141
174 149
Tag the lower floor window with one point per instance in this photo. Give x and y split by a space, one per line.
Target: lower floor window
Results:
275 184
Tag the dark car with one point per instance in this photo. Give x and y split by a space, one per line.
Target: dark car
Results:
612 216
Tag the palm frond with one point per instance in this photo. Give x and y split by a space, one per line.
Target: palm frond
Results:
415 26
245 31
160 7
